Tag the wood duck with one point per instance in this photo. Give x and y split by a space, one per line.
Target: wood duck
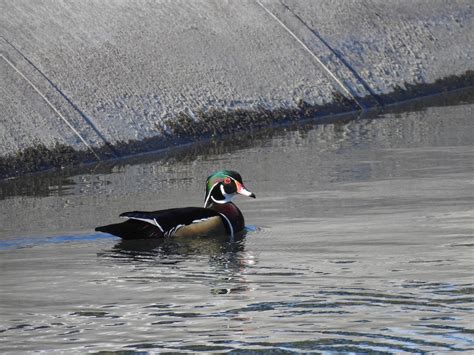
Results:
218 217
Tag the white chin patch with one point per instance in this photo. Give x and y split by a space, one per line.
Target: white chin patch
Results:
227 197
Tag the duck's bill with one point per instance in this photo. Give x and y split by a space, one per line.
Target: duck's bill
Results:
243 191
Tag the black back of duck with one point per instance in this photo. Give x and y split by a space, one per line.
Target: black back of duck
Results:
156 224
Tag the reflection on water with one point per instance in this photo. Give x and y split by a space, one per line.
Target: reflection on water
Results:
224 257
363 244
174 251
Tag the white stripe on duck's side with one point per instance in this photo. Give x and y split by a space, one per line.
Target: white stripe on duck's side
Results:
231 229
201 220
173 230
196 227
152 221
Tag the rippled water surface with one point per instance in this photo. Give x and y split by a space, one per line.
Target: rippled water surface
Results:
360 239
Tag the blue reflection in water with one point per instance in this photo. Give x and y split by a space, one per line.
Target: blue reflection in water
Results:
29 242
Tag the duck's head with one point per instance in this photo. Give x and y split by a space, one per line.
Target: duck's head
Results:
222 186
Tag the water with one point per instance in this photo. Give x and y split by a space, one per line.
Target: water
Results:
360 239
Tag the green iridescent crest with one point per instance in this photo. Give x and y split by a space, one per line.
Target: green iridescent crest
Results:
217 177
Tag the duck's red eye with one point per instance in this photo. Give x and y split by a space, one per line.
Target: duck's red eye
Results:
227 180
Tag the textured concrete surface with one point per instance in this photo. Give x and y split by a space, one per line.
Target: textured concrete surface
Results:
94 76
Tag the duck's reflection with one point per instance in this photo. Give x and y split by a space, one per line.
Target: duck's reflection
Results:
222 262
144 249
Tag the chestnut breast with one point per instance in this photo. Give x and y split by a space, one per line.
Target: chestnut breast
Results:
232 213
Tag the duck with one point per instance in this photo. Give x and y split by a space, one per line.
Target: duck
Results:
219 216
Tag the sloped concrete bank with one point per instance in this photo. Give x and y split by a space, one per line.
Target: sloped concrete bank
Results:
85 81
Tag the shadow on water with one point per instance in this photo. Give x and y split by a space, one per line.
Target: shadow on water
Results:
62 182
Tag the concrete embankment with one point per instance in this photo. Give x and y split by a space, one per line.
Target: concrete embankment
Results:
91 80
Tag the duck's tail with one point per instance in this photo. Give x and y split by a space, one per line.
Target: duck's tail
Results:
130 229
114 229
